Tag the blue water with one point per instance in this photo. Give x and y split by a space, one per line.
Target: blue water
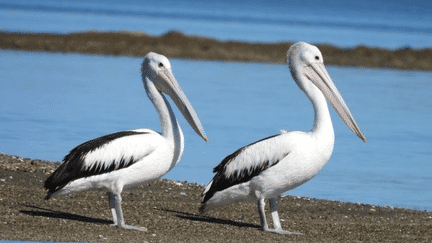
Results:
52 102
344 23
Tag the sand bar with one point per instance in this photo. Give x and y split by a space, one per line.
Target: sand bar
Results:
177 44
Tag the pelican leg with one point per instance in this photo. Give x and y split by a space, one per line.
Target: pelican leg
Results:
261 211
274 214
116 209
276 221
112 207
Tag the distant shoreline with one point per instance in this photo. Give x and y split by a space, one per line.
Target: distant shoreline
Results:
179 45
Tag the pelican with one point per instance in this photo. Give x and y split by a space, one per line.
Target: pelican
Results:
130 158
266 168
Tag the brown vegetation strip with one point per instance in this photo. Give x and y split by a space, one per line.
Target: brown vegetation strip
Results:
176 44
169 210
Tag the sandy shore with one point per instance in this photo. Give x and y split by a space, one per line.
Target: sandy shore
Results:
176 44
169 210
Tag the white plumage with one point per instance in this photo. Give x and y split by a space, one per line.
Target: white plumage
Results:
265 169
126 159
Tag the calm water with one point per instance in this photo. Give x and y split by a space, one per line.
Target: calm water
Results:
52 102
344 23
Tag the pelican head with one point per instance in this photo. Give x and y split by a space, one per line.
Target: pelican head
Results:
157 68
307 68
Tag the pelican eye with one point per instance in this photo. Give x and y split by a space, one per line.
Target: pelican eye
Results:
316 57
161 64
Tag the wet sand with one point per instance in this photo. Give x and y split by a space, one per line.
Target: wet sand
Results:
169 210
176 44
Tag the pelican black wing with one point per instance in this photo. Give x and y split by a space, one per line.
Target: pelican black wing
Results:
73 163
222 180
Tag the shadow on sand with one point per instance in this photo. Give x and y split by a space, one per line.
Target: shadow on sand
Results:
43 212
